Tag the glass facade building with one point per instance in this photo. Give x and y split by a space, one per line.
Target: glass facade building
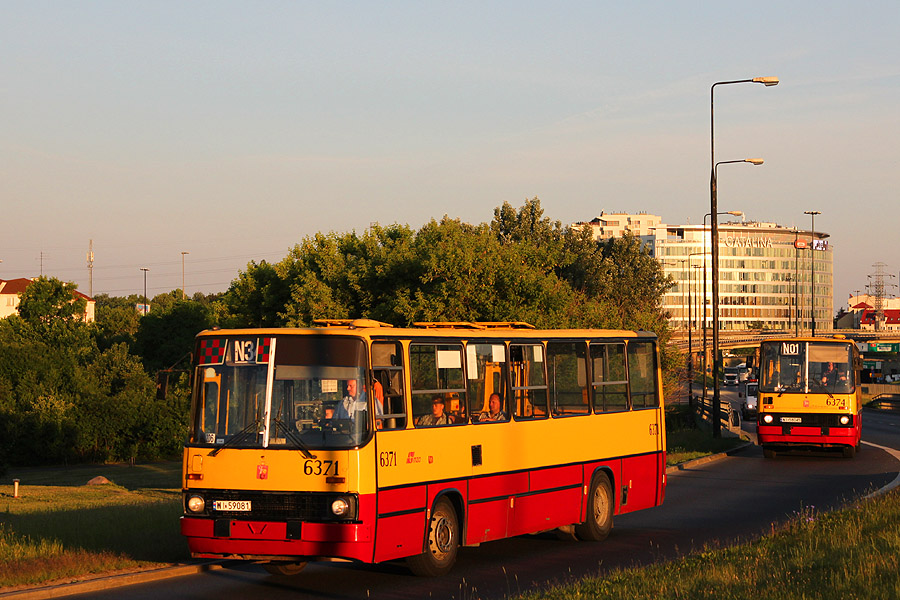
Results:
765 276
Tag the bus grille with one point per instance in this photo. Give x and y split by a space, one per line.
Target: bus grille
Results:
272 505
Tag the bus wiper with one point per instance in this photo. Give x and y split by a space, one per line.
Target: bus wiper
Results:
239 437
293 437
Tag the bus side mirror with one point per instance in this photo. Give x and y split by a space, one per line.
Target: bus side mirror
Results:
162 385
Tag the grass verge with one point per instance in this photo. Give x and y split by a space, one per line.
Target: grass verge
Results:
61 529
687 444
851 553
684 441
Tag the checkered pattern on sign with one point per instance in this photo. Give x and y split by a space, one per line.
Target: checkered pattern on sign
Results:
212 351
262 349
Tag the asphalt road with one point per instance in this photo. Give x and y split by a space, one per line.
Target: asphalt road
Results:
736 498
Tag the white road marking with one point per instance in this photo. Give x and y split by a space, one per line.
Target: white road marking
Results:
896 481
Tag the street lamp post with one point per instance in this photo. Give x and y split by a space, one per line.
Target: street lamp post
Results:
734 213
713 208
690 341
691 328
812 262
183 294
145 269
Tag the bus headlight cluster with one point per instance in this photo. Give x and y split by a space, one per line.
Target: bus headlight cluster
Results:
768 419
845 420
196 504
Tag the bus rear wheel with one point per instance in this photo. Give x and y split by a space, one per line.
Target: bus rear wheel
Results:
442 545
768 453
284 568
598 521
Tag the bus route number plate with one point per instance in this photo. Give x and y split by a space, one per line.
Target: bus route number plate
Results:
232 505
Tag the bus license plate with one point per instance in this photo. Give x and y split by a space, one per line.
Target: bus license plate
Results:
232 505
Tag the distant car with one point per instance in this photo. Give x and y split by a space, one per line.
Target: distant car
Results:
751 400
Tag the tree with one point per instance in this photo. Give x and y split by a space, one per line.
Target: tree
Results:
520 267
117 319
47 300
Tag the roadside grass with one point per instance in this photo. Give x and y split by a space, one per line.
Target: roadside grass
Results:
685 441
60 528
850 553
687 444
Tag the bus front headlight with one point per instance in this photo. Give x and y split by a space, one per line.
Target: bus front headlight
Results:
196 504
340 507
845 420
768 419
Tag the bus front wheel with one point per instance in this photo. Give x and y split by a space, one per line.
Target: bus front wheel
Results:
849 451
442 545
598 521
284 568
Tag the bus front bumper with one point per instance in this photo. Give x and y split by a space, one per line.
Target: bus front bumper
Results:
809 436
276 540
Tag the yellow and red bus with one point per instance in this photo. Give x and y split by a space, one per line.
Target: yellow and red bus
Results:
809 395
356 440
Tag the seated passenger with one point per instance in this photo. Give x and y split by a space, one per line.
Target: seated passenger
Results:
437 416
494 413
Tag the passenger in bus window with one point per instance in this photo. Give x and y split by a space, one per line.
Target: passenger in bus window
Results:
437 416
495 412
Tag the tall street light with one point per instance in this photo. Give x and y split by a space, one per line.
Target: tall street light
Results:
812 261
713 208
691 328
145 269
183 294
734 213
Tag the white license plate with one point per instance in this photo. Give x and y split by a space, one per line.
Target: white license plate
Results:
791 420
232 505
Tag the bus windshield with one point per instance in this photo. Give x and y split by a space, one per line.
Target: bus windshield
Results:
298 392
795 366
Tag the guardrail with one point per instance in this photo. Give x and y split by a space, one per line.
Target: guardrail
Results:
889 402
730 418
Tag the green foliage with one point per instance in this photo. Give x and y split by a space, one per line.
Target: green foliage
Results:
117 319
166 334
520 267
48 301
65 397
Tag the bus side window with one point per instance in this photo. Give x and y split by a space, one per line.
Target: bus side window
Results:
486 369
529 384
436 373
610 385
387 370
642 374
567 373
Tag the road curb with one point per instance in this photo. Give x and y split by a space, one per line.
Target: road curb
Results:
107 582
705 459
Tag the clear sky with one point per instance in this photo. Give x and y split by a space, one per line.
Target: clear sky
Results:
233 130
